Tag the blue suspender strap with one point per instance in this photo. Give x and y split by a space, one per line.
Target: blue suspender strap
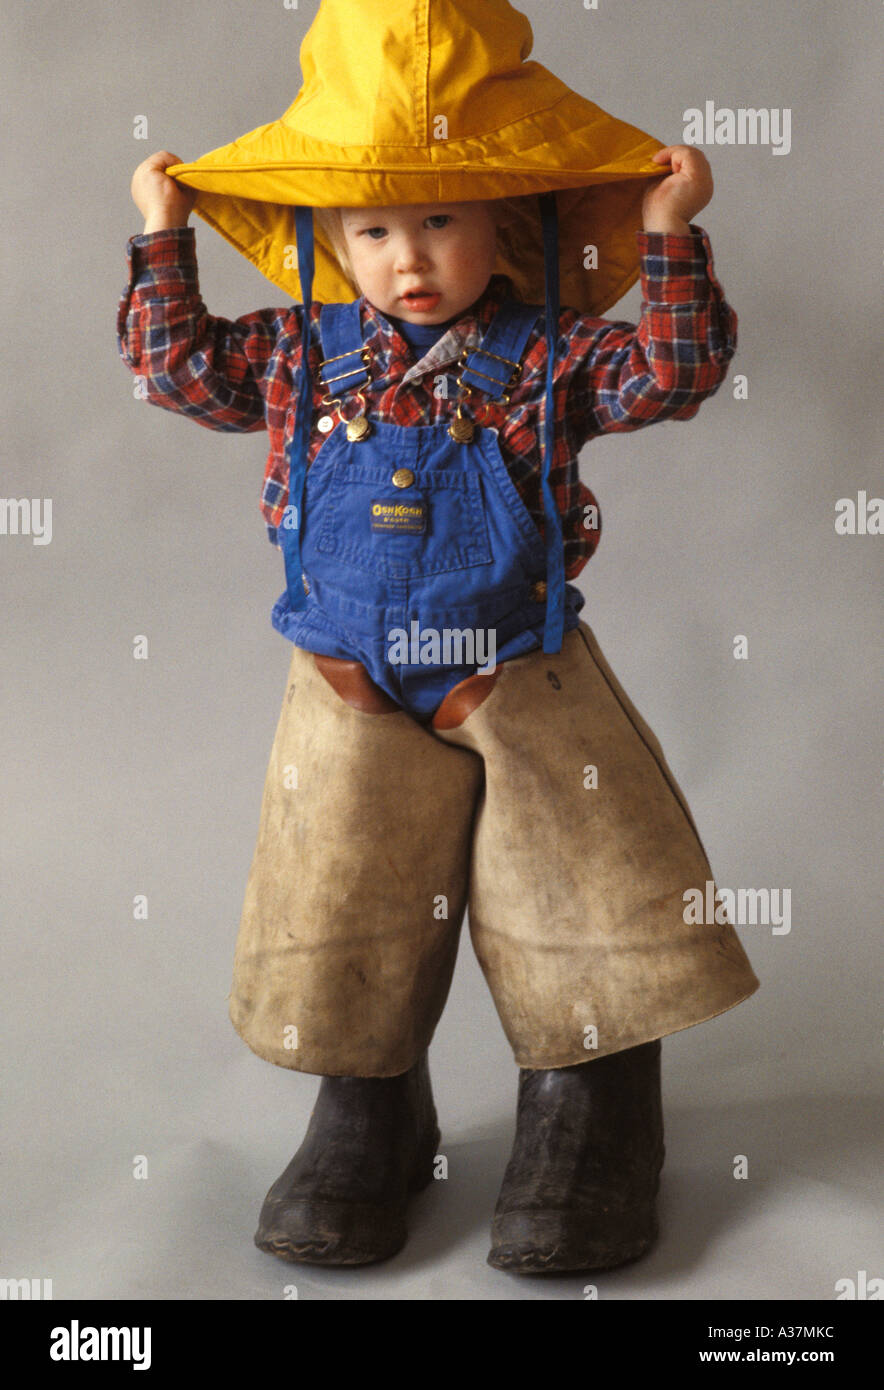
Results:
343 367
290 531
553 631
490 366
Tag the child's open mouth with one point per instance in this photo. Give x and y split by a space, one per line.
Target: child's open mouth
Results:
422 300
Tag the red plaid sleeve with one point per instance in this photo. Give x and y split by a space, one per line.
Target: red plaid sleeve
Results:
626 376
212 369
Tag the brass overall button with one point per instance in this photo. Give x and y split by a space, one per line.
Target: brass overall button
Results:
538 591
358 428
403 477
462 430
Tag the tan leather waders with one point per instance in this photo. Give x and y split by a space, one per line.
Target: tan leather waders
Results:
376 832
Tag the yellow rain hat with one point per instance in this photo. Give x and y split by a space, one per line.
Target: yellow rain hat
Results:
428 101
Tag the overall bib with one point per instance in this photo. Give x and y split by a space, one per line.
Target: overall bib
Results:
420 559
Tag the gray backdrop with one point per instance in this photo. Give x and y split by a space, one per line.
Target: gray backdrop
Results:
124 777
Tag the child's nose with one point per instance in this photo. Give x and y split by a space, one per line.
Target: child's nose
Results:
411 255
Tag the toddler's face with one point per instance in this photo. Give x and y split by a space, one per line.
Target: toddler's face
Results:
445 249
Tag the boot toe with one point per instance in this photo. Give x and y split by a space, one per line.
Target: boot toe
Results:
313 1231
553 1242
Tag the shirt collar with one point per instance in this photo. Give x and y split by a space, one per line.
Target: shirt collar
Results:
385 341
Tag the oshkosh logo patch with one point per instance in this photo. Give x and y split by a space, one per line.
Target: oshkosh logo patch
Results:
410 517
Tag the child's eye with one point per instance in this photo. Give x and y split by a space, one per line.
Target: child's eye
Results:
438 219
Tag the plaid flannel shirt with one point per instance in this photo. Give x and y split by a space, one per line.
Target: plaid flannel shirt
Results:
610 376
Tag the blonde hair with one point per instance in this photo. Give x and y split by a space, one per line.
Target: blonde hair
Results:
514 218
332 224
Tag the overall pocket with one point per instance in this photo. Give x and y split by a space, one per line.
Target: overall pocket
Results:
435 526
514 509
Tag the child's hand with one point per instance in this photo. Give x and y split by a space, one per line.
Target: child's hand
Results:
669 205
163 202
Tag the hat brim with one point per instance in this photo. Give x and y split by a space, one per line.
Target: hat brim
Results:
597 164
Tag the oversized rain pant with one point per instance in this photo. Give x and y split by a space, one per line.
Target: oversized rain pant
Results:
377 831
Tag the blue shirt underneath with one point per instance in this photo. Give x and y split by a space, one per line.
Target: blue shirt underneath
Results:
420 337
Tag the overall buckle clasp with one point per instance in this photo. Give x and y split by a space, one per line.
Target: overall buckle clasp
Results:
358 427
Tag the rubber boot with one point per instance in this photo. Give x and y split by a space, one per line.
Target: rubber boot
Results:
370 1144
580 1189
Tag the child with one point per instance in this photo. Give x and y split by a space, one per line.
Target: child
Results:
451 732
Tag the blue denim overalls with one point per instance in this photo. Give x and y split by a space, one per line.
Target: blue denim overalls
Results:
412 550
